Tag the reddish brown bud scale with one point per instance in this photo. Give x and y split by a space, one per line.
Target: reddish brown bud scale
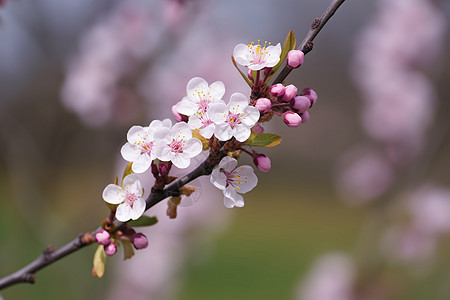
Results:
87 238
308 47
316 23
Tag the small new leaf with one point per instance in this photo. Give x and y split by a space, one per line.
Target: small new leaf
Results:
263 140
242 73
128 250
127 171
205 144
99 262
289 44
143 221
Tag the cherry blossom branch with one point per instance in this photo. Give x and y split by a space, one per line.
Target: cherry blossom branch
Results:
307 44
50 255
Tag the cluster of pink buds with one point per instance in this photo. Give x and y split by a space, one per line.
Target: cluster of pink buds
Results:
286 103
103 237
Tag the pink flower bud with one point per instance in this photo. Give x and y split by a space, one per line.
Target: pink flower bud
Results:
140 241
277 90
290 93
311 94
179 117
262 162
263 105
300 104
164 168
291 119
305 117
258 128
102 237
176 114
110 249
295 59
249 74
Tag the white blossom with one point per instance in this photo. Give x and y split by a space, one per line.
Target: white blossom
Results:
142 142
178 146
233 181
235 119
199 96
128 196
256 57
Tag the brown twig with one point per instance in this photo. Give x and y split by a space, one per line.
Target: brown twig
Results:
27 273
307 43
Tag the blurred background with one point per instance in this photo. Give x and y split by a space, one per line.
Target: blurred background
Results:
356 205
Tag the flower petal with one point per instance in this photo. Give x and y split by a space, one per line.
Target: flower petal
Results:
195 121
238 102
136 134
241 132
130 152
273 56
132 180
240 53
187 107
231 198
244 179
194 86
228 202
250 116
228 164
141 164
124 212
163 152
164 123
207 131
218 112
181 160
181 131
223 131
193 147
138 209
217 90
113 194
218 178
161 133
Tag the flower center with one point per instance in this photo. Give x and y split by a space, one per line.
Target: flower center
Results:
234 179
233 119
206 122
147 148
130 198
203 105
177 146
258 53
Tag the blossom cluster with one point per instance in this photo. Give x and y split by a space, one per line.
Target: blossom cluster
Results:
206 122
209 114
160 140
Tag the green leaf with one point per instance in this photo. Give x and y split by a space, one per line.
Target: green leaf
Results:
289 44
127 171
111 206
143 221
250 84
263 140
128 250
205 142
99 262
